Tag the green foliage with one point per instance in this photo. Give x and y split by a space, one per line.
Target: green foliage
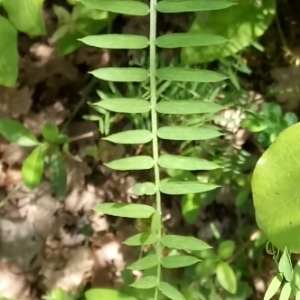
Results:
240 24
274 186
45 155
269 123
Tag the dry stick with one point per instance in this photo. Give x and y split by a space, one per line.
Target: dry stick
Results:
14 190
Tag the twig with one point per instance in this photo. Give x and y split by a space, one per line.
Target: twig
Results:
82 136
14 190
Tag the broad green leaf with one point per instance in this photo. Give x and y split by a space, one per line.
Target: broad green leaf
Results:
226 249
141 162
139 136
178 261
185 107
142 239
286 292
116 41
285 266
273 286
106 294
9 54
58 173
26 15
275 184
133 8
144 188
144 263
173 187
136 211
240 24
147 282
167 6
185 163
193 75
179 40
184 243
50 133
169 291
121 74
33 167
181 133
16 133
226 277
125 105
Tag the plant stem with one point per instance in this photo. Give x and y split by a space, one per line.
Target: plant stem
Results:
153 100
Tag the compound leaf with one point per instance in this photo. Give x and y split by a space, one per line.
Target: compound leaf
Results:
185 163
184 243
147 282
226 277
125 105
182 133
193 75
133 8
273 286
116 41
178 40
136 211
141 162
121 74
130 137
167 6
172 187
16 133
33 167
9 53
169 291
186 107
26 15
144 263
178 261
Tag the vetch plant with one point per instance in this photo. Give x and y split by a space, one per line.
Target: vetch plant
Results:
153 104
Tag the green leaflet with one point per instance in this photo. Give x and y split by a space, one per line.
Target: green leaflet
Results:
178 261
58 173
226 277
186 107
26 15
274 184
144 263
286 292
273 286
167 6
130 137
141 239
169 291
172 187
147 282
133 8
33 167
185 163
181 133
121 74
116 41
50 133
97 294
124 105
297 296
16 133
145 188
184 243
226 249
193 75
179 40
141 162
9 53
136 211
285 266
